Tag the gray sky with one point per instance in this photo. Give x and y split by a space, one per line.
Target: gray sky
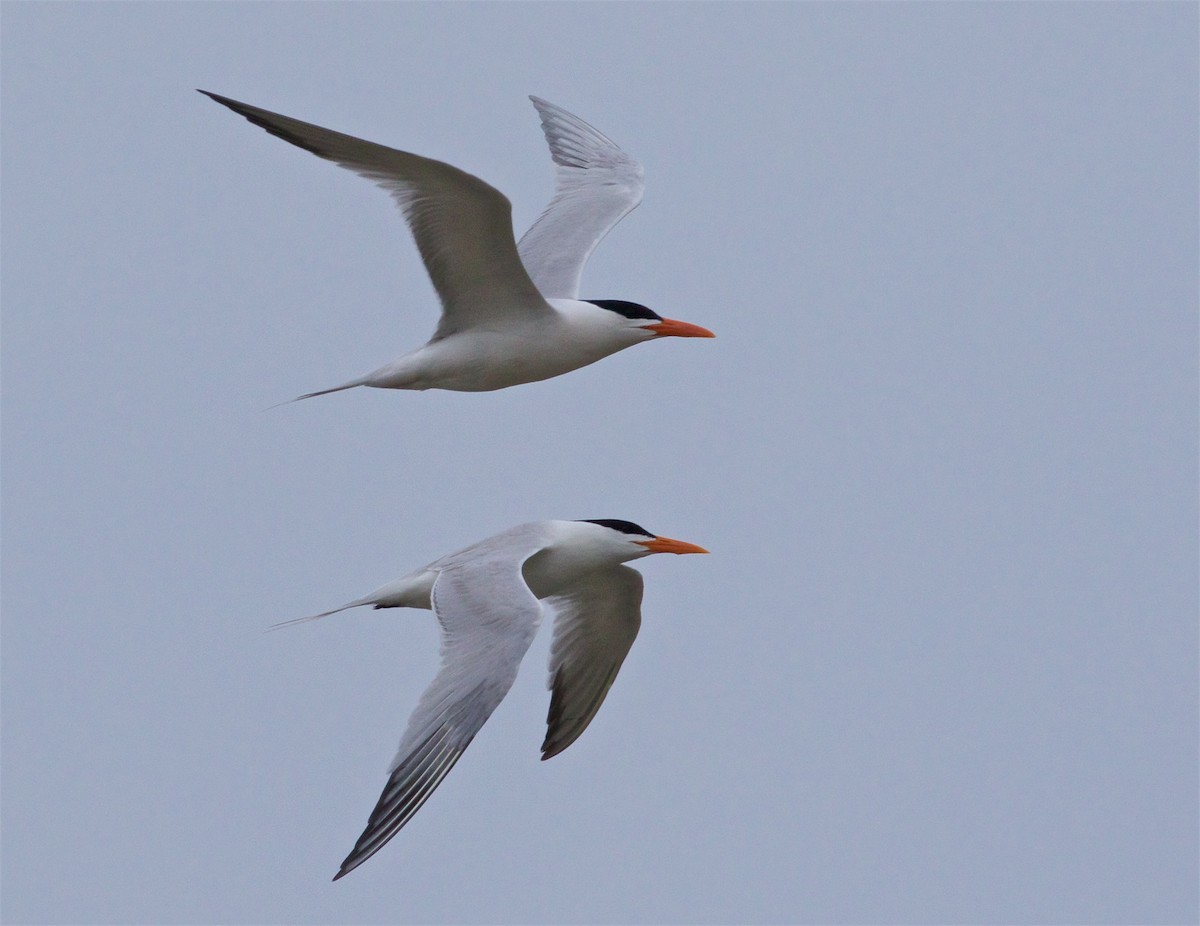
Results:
942 663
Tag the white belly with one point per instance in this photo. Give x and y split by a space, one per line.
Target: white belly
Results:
480 360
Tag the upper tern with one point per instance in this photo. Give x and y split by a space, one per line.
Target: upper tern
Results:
510 314
487 599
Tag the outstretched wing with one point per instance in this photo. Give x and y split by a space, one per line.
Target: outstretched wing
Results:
489 617
463 226
596 185
595 625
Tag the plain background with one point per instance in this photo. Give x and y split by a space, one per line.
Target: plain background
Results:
942 664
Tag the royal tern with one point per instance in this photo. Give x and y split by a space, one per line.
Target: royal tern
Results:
487 599
509 315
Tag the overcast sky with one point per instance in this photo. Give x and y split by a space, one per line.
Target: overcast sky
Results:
942 664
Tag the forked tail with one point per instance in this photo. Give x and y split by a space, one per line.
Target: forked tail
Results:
358 603
312 395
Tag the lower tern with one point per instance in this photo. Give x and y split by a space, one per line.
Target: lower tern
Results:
510 314
488 600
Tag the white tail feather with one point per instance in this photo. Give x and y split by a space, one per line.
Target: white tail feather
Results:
313 395
316 617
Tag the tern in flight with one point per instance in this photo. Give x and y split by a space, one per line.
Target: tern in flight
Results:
487 599
510 313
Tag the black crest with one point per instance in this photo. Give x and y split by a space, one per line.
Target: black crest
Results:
628 309
625 527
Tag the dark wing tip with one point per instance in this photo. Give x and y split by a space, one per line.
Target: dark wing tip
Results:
357 856
304 135
553 743
253 114
223 100
408 787
242 109
563 729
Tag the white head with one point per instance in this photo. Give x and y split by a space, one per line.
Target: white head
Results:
626 540
576 548
646 322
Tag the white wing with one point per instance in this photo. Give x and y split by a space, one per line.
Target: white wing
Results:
596 185
595 626
489 617
463 226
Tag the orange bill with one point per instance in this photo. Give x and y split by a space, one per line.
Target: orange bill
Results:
667 545
670 328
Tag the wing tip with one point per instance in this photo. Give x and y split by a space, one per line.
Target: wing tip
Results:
251 113
223 100
557 742
350 863
354 859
